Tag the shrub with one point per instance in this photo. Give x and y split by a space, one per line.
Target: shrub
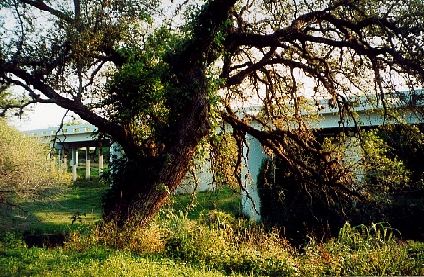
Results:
24 167
230 245
128 237
287 203
362 250
407 143
303 207
219 243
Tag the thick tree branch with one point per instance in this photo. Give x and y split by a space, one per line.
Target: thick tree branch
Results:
206 26
104 126
42 6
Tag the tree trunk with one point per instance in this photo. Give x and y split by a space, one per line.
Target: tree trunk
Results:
145 184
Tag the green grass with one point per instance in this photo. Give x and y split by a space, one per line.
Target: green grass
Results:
94 172
53 213
223 199
98 261
187 243
55 210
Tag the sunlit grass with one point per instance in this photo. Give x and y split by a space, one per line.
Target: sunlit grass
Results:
67 208
204 239
58 211
92 262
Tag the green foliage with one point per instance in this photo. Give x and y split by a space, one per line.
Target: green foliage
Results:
376 170
361 250
224 155
11 240
377 175
216 245
141 94
194 243
230 245
383 173
9 101
24 167
137 97
364 236
406 142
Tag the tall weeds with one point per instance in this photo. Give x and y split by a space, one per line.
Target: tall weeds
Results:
219 241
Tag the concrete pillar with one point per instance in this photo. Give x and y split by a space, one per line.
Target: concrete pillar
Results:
74 172
87 170
73 156
101 165
254 156
87 164
76 157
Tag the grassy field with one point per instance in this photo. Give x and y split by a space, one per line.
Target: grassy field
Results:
198 235
92 262
67 209
57 210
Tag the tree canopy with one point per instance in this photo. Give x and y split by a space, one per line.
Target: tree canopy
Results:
158 78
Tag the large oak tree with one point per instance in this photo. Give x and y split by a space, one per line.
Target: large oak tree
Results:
156 77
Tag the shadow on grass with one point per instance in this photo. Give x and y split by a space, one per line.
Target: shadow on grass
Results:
78 208
54 211
224 199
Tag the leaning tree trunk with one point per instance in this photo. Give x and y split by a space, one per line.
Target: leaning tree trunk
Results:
146 183
151 181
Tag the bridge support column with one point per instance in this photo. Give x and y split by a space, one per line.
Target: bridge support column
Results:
101 165
74 156
59 157
254 156
87 164
74 163
74 172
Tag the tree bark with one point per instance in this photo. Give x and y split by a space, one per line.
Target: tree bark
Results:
141 198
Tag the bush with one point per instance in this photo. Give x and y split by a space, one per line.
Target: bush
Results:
407 143
216 244
301 209
362 250
24 167
137 240
230 245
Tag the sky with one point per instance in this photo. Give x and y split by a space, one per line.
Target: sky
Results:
50 115
40 116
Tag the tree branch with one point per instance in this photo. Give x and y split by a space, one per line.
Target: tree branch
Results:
39 4
120 134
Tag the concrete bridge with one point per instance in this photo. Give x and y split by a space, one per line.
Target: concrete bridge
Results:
69 141
401 107
368 113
